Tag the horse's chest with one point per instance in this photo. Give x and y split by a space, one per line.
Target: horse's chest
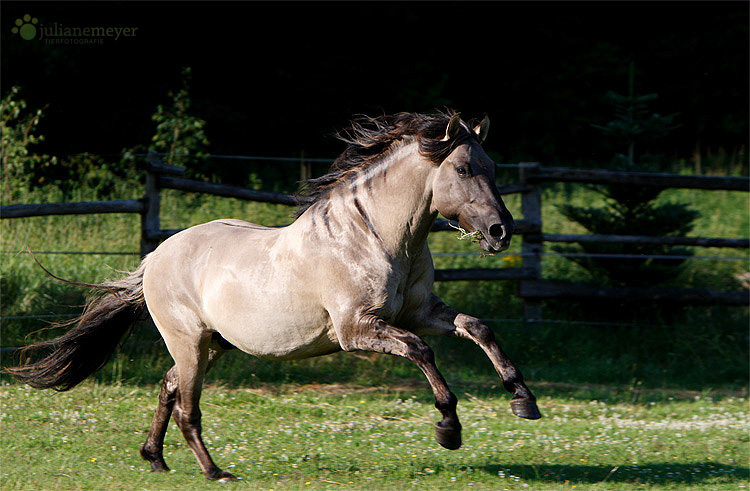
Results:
405 295
393 307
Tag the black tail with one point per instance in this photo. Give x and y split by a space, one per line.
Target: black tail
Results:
91 340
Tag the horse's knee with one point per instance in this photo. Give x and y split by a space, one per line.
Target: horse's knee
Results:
480 332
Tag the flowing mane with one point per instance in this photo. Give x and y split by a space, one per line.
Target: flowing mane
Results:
369 138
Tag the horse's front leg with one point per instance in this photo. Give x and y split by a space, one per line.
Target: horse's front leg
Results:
371 333
443 320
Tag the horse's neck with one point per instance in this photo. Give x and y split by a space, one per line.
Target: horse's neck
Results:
393 198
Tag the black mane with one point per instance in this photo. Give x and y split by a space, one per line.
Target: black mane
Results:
369 138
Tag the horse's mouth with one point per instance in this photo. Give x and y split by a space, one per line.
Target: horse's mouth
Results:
492 239
491 245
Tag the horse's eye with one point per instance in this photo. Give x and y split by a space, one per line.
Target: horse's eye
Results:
462 172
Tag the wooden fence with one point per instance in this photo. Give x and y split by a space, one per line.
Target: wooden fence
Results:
532 287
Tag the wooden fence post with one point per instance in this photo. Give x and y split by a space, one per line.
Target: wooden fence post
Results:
531 247
150 223
151 233
305 168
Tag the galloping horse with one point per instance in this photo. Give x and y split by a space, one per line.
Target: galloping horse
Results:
352 272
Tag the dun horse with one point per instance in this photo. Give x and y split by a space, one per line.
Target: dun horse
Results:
352 272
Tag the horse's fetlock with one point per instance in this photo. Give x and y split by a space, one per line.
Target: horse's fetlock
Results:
513 380
155 457
147 452
448 402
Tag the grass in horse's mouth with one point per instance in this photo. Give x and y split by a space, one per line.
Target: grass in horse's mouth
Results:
462 234
475 237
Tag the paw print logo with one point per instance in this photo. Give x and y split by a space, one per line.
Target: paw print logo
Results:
26 27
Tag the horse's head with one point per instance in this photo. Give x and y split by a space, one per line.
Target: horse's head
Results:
464 188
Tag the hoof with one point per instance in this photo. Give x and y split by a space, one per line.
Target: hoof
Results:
159 467
223 477
449 438
227 478
524 408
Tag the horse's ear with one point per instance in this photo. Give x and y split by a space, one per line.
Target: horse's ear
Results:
482 129
454 125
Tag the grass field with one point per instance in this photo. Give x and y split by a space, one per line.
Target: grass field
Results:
354 437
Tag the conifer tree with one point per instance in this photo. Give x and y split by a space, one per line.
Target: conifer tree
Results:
631 210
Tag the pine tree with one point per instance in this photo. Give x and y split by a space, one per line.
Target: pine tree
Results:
631 210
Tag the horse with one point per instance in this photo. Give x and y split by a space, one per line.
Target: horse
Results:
353 271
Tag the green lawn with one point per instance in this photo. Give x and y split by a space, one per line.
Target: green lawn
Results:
355 437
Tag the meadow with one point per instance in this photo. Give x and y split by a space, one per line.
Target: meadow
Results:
298 437
657 403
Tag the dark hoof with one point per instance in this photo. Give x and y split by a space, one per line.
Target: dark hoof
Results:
524 408
156 460
159 467
449 438
222 477
227 477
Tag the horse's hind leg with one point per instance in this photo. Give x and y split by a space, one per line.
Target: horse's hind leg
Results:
190 349
187 413
153 449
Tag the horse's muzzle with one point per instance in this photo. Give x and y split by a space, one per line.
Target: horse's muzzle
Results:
497 238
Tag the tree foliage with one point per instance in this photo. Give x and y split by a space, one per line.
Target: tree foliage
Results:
634 264
630 210
180 135
17 137
632 124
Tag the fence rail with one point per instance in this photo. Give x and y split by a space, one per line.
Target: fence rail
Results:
537 173
532 287
648 240
73 208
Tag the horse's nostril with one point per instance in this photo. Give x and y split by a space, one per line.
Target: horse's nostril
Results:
497 230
